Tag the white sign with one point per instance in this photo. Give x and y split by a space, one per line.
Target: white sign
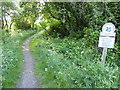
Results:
108 28
107 36
107 42
107 39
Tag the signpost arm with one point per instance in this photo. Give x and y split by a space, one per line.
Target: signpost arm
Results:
104 55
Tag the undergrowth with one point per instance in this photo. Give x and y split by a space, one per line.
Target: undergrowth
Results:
69 63
12 57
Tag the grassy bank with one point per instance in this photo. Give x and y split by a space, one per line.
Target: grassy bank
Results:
12 57
69 63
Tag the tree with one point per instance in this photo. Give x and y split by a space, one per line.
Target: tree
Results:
7 10
82 18
30 11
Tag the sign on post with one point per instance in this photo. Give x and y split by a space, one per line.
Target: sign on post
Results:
107 39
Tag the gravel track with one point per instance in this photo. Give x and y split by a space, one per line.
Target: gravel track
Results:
28 79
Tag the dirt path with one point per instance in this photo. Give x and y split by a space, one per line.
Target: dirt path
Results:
28 79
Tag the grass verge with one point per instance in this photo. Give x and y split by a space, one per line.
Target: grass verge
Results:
12 56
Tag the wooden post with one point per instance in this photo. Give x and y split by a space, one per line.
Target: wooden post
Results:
104 55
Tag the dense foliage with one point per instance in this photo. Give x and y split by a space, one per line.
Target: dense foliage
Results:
7 9
69 63
76 61
80 19
29 14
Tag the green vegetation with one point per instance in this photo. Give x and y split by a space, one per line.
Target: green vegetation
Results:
66 52
69 63
12 57
0 61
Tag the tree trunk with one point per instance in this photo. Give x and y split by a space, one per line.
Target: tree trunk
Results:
32 24
6 23
2 17
11 25
2 23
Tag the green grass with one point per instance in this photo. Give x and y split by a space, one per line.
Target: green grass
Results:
69 63
0 60
12 56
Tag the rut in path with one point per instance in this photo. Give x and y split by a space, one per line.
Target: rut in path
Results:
28 79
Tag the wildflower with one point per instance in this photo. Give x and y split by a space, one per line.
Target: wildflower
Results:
1 65
46 69
49 50
59 72
82 52
67 51
112 57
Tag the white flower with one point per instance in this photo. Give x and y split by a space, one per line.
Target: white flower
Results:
67 51
112 57
46 69
59 72
1 65
49 50
82 52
